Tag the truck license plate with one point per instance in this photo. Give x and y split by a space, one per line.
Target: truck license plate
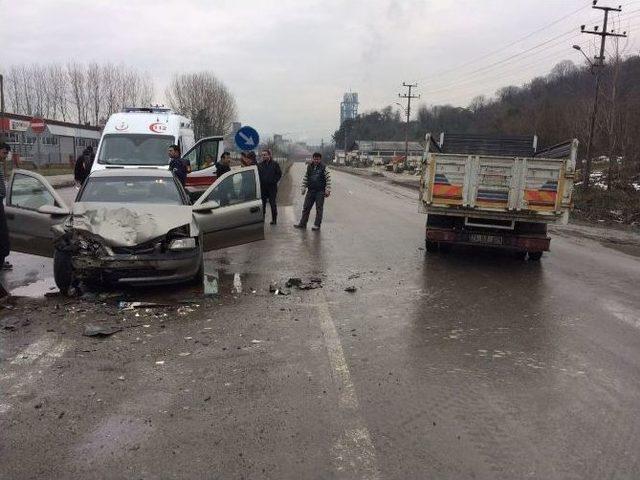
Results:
480 238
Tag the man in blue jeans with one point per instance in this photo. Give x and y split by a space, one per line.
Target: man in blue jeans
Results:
317 186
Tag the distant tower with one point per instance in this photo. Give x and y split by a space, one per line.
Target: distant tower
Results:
349 107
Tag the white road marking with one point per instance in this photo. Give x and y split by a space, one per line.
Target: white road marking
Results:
354 454
33 351
30 364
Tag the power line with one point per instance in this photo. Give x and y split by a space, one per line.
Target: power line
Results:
501 49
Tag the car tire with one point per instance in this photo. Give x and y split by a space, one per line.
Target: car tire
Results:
431 247
535 256
62 270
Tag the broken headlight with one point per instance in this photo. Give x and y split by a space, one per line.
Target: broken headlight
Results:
183 244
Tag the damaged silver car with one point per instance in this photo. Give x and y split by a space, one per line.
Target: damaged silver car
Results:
132 226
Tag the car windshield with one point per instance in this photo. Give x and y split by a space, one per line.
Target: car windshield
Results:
135 149
154 190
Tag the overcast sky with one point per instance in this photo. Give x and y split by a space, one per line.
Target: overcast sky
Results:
288 62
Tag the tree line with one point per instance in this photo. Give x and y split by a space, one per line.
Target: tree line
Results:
89 93
556 107
74 92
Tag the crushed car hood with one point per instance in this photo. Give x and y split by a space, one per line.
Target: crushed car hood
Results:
127 225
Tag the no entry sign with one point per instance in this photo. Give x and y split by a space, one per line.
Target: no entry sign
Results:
37 125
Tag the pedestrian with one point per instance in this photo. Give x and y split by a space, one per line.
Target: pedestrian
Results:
177 164
223 166
82 168
247 159
5 246
316 186
251 158
270 175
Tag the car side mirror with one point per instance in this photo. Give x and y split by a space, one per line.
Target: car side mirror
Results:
53 210
206 206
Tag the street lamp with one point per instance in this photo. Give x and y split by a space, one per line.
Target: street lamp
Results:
579 48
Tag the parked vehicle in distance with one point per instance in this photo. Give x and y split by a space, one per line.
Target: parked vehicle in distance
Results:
496 191
132 226
140 137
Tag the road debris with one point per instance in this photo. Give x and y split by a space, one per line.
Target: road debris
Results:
135 305
293 282
100 330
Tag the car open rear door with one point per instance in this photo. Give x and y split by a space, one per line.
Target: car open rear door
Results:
32 208
230 211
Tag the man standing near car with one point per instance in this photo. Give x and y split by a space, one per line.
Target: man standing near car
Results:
317 186
270 175
223 166
5 247
177 165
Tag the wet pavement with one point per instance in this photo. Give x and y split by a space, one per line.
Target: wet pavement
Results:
460 366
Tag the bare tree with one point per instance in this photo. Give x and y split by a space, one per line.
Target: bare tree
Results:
205 99
94 90
75 73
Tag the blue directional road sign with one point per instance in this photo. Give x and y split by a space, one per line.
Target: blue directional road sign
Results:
247 138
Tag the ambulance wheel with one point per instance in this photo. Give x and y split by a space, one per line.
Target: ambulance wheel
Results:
431 247
445 247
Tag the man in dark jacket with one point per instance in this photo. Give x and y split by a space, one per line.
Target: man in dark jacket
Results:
5 247
270 175
177 165
223 166
83 165
317 185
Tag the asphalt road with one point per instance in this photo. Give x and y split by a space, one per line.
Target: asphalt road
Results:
472 365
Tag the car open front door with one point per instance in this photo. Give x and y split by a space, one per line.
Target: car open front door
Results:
32 208
230 211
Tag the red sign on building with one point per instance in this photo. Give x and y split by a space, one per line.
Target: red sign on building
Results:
37 125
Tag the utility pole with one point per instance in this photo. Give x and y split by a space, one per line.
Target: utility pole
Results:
597 68
408 96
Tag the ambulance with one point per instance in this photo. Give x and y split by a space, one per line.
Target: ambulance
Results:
140 138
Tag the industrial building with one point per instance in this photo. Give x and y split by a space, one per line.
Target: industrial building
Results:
60 143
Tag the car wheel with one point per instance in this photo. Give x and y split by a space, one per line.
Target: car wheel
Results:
62 270
431 247
535 256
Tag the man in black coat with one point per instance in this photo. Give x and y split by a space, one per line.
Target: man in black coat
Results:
177 165
83 165
5 246
317 186
223 166
270 175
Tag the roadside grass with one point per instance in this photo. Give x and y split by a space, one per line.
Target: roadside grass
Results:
620 206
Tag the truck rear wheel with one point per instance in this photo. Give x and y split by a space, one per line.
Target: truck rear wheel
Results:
535 256
431 247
